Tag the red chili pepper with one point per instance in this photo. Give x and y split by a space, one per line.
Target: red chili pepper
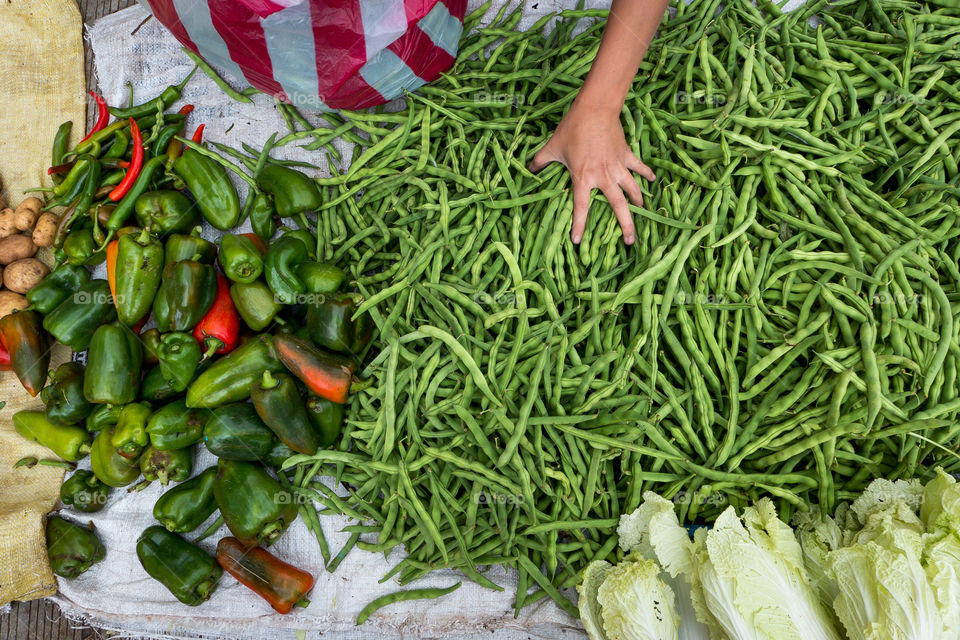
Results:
60 168
282 585
136 163
219 331
4 359
198 134
123 164
103 114
185 109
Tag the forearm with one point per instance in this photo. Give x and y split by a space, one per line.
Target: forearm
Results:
627 36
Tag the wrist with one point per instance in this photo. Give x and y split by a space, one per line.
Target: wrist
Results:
599 101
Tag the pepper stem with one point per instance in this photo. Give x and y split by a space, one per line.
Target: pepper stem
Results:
213 345
268 381
163 477
271 532
84 449
302 602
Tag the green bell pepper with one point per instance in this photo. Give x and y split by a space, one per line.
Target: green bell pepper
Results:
151 341
308 239
278 455
172 464
190 573
72 549
240 258
280 268
186 506
138 271
262 212
190 246
293 191
230 378
63 397
320 277
211 187
84 492
103 416
175 426
254 506
278 403
156 387
113 366
166 211
326 417
110 467
255 303
186 294
179 354
59 285
67 441
81 249
75 320
330 324
130 436
235 432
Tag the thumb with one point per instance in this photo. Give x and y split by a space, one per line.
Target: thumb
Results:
543 157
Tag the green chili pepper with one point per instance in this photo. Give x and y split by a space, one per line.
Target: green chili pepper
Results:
326 417
130 436
240 258
278 403
262 213
186 506
185 295
59 285
109 466
255 303
187 571
118 148
125 207
84 492
67 441
63 397
167 465
280 268
61 144
161 103
166 212
72 549
113 366
236 432
230 378
190 247
175 426
293 191
103 416
254 506
211 188
138 273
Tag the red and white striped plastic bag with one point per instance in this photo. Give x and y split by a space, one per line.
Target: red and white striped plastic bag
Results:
321 54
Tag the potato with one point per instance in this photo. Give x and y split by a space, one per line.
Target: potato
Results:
10 302
7 228
18 247
26 215
22 275
46 229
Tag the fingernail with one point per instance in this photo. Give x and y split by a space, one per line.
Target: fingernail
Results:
576 239
628 239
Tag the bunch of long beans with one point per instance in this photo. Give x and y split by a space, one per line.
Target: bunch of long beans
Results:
786 324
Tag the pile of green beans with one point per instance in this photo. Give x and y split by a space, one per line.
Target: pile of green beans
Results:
786 324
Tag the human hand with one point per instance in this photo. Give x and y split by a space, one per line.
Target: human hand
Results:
592 146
